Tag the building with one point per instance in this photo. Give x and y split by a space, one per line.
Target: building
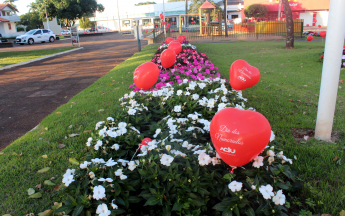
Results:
313 12
8 19
233 10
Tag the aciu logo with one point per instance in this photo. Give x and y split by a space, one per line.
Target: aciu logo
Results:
242 78
227 150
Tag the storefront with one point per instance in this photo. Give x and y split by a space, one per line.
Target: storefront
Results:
313 12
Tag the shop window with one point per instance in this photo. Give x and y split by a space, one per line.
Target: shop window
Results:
234 16
126 23
146 22
9 26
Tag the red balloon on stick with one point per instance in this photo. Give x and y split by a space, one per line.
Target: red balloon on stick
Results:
243 75
145 142
319 26
315 20
239 135
184 37
307 25
169 39
168 58
309 38
163 23
176 46
146 75
180 38
323 34
161 16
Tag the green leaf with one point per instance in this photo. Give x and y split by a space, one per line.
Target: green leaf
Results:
49 183
229 176
120 201
36 195
227 212
250 212
73 161
43 170
31 191
177 206
78 210
48 212
152 201
153 191
66 209
283 186
134 199
118 211
237 212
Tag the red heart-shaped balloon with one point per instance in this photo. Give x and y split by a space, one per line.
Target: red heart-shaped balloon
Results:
243 75
146 75
176 46
180 38
169 39
239 135
145 142
323 34
168 58
309 38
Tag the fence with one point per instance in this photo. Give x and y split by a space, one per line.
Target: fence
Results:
234 31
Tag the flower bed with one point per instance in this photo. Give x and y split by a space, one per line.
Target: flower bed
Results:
178 171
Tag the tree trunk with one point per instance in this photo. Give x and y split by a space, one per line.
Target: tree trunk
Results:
289 25
225 13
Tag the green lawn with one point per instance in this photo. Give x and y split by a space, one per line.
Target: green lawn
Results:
296 75
284 76
8 58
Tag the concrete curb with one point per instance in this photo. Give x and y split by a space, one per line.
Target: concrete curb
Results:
39 59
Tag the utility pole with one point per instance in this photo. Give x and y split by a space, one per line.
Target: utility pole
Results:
186 18
165 33
279 9
45 8
330 70
118 15
225 17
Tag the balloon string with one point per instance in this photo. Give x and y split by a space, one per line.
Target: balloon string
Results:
232 169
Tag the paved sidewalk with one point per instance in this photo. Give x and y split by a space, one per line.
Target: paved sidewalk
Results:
31 92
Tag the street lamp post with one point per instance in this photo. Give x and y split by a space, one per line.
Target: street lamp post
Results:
45 8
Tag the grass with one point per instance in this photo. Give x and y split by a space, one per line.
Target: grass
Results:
294 74
284 76
8 58
18 172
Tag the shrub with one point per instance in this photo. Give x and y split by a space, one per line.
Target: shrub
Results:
256 10
19 28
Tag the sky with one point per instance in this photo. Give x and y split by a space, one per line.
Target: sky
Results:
22 4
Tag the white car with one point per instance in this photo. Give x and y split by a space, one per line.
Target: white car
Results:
36 36
65 32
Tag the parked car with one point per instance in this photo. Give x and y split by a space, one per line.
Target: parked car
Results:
36 36
65 32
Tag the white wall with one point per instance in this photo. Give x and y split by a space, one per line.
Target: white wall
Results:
6 32
53 26
322 18
308 18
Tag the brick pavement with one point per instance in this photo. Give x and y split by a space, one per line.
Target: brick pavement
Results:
31 92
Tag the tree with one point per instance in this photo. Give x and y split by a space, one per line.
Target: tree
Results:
195 5
145 3
32 20
289 25
85 22
67 10
256 10
11 2
175 0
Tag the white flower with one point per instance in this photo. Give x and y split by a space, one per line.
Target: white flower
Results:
67 180
132 165
84 165
114 205
168 147
258 162
110 163
270 159
98 144
110 119
187 93
121 131
179 92
99 124
118 172
115 146
210 103
272 136
253 187
122 124
112 133
204 159
221 106
202 85
224 99
103 131
195 96
123 177
98 192
166 159
92 175
235 186
69 172
131 111
97 160
279 198
177 108
102 210
266 191
215 161
124 162
271 153
158 131
88 144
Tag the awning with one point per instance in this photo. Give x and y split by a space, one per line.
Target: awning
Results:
4 20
